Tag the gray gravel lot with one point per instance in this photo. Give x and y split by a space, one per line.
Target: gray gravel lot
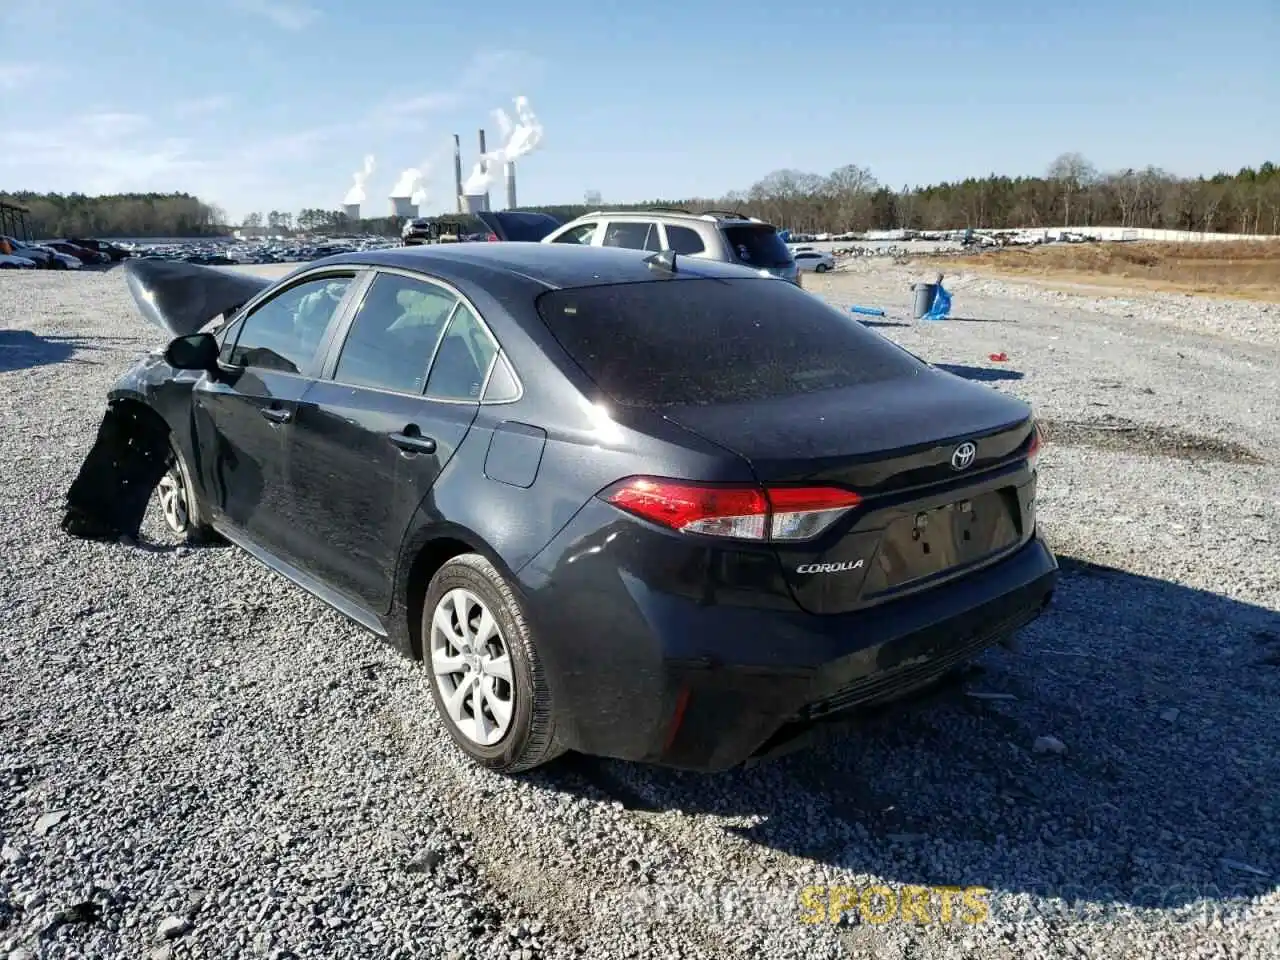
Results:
199 760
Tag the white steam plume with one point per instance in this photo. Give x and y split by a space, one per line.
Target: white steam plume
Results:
412 183
519 138
360 178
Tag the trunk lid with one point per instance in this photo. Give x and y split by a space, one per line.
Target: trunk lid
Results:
518 226
928 513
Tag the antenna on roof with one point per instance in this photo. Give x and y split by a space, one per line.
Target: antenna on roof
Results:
664 260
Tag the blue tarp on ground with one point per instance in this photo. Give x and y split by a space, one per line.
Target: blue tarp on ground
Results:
941 305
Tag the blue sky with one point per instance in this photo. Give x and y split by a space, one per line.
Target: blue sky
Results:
261 104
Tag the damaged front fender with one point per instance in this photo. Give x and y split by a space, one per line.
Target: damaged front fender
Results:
109 497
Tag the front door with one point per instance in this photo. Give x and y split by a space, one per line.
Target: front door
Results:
243 415
373 435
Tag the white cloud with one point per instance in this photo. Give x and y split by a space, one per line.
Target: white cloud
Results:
285 14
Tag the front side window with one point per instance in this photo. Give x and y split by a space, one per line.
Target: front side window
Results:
583 234
285 332
462 362
394 334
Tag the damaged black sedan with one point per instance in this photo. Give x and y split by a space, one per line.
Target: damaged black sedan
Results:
632 505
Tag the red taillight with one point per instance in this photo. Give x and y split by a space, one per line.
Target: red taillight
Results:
492 238
737 511
1033 449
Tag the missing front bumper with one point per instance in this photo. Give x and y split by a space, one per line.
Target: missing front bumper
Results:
109 497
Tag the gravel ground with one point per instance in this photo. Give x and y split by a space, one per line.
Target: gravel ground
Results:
199 760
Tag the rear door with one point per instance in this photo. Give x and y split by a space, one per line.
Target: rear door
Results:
243 416
400 389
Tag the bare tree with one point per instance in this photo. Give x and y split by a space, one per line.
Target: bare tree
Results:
1072 173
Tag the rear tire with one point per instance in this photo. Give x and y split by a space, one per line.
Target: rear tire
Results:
487 681
821 268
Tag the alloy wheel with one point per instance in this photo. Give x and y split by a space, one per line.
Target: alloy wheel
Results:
173 500
472 667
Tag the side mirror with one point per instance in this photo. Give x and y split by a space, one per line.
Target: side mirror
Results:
199 351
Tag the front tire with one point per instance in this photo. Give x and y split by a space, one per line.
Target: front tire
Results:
821 268
180 508
487 680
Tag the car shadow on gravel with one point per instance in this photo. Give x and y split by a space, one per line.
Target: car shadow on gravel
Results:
23 350
980 374
1165 792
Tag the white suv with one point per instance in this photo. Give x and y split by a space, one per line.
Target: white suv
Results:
715 235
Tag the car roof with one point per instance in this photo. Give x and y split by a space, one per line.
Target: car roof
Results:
551 266
715 217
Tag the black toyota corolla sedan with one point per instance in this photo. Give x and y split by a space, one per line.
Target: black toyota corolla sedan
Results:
628 504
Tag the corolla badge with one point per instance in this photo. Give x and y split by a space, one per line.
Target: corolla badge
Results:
843 567
962 456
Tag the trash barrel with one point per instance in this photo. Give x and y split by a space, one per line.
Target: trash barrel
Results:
925 295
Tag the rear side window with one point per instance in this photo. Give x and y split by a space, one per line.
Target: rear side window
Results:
758 245
683 240
674 342
634 235
394 334
462 362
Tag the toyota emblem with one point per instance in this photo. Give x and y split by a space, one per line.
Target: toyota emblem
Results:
962 456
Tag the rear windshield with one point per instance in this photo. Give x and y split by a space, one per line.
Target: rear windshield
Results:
758 245
676 342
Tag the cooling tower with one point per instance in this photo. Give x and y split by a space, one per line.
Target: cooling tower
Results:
475 202
352 211
510 172
403 207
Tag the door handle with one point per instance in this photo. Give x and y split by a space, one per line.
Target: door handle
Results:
413 442
276 415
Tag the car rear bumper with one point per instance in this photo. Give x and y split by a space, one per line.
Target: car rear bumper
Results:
666 679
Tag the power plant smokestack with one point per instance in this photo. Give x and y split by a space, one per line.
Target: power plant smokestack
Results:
510 172
484 164
457 171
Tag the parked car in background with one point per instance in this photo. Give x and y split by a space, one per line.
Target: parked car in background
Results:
816 260
11 262
114 252
58 260
83 254
715 235
44 259
639 505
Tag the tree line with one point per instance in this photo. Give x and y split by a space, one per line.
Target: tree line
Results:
122 215
1071 193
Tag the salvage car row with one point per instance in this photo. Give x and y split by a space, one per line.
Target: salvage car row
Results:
67 254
